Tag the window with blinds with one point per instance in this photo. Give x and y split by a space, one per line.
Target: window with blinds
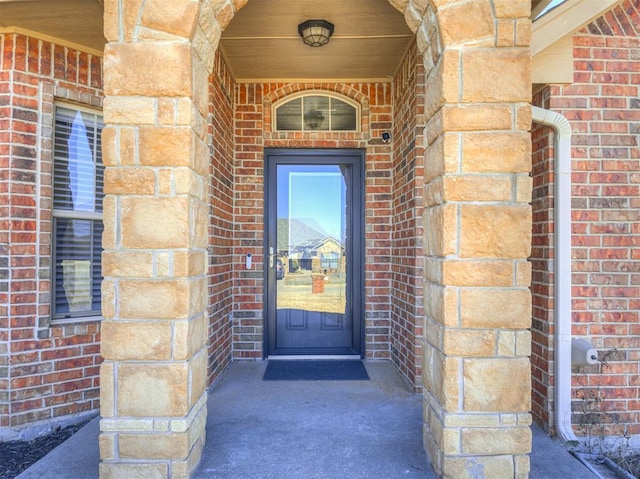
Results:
77 213
316 112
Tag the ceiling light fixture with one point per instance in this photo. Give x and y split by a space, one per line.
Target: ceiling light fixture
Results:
315 33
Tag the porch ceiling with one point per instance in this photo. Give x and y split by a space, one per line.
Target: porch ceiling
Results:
262 41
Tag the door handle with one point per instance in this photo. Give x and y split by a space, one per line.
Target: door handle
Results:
271 256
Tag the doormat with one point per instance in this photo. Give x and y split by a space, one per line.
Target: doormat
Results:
315 370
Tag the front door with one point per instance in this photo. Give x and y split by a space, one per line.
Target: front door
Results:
314 252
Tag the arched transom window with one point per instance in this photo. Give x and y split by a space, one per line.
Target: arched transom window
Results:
316 111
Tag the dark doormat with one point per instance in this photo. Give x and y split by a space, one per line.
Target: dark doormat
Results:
315 370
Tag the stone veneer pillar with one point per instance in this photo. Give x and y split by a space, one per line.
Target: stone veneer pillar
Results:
153 379
477 223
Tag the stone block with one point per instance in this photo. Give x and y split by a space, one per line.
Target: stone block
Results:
440 232
136 340
108 291
153 390
109 147
497 385
107 445
441 378
477 117
496 75
472 420
502 152
442 156
483 231
190 336
107 389
473 342
523 467
505 32
109 221
496 467
111 20
524 188
155 299
477 273
129 110
495 308
496 441
189 263
121 264
201 88
142 227
166 146
450 76
467 22
151 470
523 32
512 8
130 18
198 373
129 181
523 274
128 146
132 69
441 304
506 343
153 446
178 17
188 182
477 188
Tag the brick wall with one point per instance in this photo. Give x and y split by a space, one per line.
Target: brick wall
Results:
542 278
407 314
254 132
221 180
47 370
603 107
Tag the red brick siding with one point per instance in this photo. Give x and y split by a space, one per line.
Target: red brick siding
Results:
603 107
253 133
542 349
47 370
407 314
221 180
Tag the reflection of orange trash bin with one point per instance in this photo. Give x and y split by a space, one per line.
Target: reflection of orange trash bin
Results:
317 283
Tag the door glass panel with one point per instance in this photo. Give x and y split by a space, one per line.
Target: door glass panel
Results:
312 231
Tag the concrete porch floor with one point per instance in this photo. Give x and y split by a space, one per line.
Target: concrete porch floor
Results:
304 429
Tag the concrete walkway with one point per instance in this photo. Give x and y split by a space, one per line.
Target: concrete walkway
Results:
303 429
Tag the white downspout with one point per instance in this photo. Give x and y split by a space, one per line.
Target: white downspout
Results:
562 267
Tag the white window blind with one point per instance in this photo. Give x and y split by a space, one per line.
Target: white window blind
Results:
77 213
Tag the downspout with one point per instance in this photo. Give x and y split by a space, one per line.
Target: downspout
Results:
562 268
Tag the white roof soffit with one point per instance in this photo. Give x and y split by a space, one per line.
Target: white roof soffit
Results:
566 19
551 39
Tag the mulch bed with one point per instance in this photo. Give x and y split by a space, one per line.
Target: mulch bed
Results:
17 456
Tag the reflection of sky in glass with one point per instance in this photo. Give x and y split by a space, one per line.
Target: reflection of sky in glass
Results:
82 171
314 196
317 196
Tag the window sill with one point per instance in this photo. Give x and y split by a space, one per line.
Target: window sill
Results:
76 320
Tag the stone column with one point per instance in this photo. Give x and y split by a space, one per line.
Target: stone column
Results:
153 379
476 369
